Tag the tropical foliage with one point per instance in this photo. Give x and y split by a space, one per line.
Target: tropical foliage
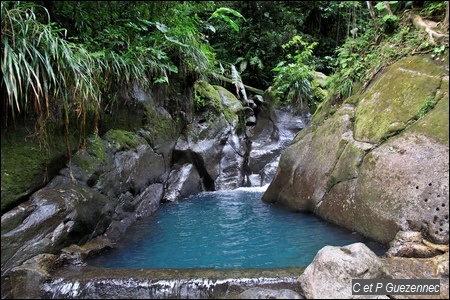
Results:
67 59
363 55
51 72
293 80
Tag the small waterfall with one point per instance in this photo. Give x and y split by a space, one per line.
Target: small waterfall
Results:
144 288
266 139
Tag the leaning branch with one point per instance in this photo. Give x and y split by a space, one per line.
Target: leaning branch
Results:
249 88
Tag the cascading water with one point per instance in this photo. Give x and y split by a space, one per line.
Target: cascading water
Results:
272 133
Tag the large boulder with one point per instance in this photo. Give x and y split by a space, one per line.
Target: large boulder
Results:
183 181
378 163
272 133
330 274
51 220
214 142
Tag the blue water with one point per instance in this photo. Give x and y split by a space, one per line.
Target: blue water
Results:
226 230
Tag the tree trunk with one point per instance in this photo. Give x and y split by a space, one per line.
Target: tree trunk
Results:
388 7
445 22
372 13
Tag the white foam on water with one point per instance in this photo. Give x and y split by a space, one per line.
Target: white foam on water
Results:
254 188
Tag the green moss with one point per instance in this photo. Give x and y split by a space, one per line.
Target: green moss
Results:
220 108
231 106
22 164
435 124
370 161
124 140
96 147
396 98
29 163
352 100
162 128
94 156
206 97
347 166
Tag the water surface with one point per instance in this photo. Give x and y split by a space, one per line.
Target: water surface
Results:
226 230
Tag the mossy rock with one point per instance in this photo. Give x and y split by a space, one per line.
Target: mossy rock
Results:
435 124
347 166
396 99
29 163
124 140
86 164
232 108
162 127
207 98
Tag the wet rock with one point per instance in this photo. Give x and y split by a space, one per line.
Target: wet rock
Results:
251 103
183 181
28 278
75 254
268 172
258 99
250 121
249 111
262 293
134 170
273 132
100 283
53 219
149 200
232 163
212 143
331 272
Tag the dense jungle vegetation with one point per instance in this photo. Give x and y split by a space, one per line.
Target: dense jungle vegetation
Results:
65 59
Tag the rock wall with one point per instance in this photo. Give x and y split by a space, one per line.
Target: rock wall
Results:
124 174
378 163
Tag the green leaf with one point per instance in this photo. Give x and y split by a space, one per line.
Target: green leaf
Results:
223 10
380 6
210 27
161 27
220 13
231 23
175 41
162 79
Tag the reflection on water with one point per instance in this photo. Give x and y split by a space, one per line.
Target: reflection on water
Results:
225 230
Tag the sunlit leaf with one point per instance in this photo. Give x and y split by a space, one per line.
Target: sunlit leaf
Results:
161 27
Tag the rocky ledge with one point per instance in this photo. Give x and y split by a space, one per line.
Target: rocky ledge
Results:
328 276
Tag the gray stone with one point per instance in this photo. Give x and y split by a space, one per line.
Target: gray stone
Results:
258 99
263 293
54 219
420 268
331 272
250 121
183 181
